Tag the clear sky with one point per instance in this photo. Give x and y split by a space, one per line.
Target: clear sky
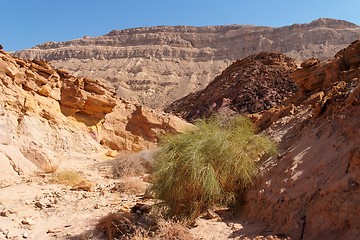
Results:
26 23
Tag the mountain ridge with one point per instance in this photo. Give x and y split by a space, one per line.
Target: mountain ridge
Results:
157 65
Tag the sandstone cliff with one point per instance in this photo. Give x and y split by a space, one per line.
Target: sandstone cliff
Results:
311 190
158 65
49 117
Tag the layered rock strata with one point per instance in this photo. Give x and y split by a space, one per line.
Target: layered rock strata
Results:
158 65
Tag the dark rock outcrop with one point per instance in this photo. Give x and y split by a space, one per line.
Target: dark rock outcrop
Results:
250 85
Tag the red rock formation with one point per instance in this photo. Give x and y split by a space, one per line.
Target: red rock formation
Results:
312 190
250 85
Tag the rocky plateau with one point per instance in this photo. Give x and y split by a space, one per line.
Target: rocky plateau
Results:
158 65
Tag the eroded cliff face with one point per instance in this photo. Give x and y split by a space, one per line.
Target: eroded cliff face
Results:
311 190
158 65
48 117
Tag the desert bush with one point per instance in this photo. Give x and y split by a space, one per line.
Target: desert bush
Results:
134 226
127 225
131 186
129 165
210 165
116 226
172 230
68 177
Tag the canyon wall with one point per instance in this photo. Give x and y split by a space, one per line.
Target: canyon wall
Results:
157 65
49 117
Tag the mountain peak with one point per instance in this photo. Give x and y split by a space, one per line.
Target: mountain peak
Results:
332 23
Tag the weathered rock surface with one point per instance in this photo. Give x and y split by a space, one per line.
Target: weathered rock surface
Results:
48 117
250 85
311 190
158 65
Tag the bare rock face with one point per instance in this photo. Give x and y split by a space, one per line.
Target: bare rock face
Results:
158 65
250 85
320 76
312 189
48 117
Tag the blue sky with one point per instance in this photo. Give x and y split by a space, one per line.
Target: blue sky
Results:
26 23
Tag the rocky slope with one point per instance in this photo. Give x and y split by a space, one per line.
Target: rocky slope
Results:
48 117
158 65
250 85
311 190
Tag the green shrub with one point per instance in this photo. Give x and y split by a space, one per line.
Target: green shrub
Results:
210 165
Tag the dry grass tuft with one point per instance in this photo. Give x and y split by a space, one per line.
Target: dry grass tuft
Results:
117 226
68 177
172 230
124 225
132 186
132 165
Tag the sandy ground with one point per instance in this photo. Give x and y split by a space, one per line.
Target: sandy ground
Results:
36 208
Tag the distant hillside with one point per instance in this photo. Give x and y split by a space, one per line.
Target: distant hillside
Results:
158 65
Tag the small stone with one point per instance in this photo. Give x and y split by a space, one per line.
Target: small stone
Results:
140 208
85 186
4 213
111 153
25 235
39 205
96 206
53 231
210 214
56 201
28 221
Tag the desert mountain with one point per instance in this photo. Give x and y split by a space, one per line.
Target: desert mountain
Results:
48 117
158 65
